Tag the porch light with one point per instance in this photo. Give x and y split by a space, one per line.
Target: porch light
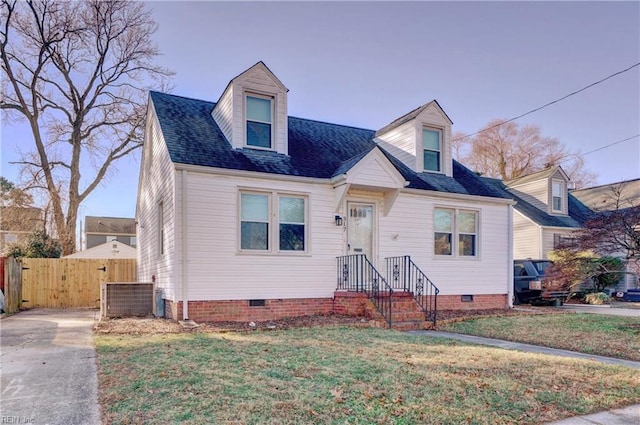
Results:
338 220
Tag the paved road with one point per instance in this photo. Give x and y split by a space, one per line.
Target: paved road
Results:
48 369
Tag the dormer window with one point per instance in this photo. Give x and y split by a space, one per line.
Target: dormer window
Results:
557 191
432 148
259 123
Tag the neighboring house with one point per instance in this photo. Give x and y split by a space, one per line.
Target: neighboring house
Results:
608 197
243 210
611 197
113 249
546 213
100 230
17 223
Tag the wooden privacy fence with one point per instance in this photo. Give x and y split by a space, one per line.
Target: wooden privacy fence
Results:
12 284
70 282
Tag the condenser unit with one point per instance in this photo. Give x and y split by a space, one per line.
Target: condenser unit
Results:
121 299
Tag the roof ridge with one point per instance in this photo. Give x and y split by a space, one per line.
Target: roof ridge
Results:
605 184
331 123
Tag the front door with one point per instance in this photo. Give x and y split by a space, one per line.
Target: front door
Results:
360 229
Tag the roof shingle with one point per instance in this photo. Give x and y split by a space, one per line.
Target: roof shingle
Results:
316 149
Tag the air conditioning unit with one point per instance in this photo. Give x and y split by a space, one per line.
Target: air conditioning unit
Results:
121 299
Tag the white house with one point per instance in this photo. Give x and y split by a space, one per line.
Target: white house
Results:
546 213
113 249
250 214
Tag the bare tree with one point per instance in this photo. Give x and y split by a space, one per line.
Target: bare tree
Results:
509 151
615 226
78 73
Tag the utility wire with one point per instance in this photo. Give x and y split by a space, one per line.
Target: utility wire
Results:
550 103
598 149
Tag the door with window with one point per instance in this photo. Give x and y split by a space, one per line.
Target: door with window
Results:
360 224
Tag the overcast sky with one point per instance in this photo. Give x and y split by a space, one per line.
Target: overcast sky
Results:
367 63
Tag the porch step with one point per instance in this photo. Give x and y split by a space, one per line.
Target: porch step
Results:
406 313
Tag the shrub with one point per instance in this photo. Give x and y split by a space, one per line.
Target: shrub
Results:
597 298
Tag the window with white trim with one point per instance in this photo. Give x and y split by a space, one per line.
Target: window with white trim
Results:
557 191
432 149
259 128
455 232
272 219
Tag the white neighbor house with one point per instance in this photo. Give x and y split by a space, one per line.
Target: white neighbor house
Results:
243 210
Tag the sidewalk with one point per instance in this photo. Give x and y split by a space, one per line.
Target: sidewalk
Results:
626 416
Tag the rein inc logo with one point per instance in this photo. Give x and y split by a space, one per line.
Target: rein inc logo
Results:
16 420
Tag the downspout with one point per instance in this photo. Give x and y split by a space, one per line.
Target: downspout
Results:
185 272
510 256
541 244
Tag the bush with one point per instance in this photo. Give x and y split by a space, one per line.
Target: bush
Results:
38 245
597 298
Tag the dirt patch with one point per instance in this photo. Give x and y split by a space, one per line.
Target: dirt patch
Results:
137 325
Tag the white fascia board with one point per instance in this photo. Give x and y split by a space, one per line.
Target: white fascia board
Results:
460 196
252 174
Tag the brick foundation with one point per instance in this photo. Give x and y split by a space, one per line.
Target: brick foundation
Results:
347 303
480 302
240 311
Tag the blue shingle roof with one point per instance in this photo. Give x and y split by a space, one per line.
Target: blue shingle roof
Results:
316 149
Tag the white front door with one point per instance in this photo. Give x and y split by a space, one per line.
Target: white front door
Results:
360 229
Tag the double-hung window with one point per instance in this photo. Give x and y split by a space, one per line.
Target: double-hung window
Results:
272 219
455 232
556 195
292 228
259 112
254 219
432 148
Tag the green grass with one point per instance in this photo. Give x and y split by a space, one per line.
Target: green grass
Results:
609 336
344 376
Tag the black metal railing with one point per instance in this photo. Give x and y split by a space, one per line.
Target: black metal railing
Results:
356 273
404 275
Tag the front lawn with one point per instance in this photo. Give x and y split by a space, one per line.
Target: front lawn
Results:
341 375
609 336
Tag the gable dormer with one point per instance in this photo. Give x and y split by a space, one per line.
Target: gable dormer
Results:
546 189
252 111
421 139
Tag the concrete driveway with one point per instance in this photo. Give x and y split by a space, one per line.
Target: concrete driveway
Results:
48 369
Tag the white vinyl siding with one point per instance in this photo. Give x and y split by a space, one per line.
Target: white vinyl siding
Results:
223 114
217 271
406 143
526 238
400 142
230 112
157 184
408 230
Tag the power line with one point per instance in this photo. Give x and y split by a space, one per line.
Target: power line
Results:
598 149
550 103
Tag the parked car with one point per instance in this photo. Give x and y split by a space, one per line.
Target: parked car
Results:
529 285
